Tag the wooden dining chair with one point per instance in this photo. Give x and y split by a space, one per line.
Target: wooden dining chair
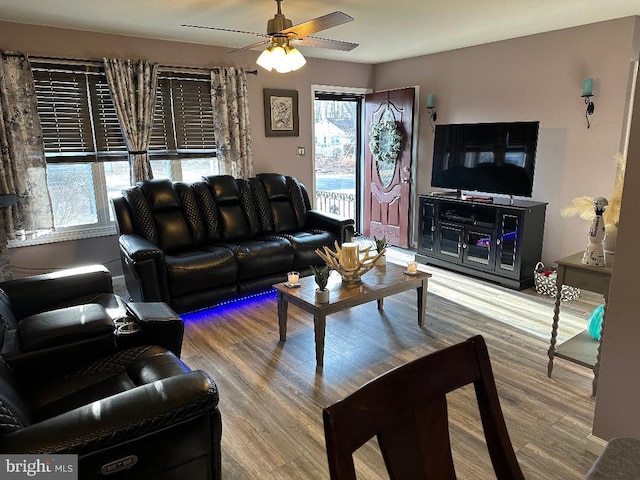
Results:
406 408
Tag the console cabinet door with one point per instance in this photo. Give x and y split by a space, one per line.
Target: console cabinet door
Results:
478 247
427 226
508 243
451 241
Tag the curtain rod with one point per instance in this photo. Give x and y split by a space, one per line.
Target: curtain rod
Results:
98 63
6 54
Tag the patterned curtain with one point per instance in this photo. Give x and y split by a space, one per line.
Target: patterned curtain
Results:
133 89
231 121
23 168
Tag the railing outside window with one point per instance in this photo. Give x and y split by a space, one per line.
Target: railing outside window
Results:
338 203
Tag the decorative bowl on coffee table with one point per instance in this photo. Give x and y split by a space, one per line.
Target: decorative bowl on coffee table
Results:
349 261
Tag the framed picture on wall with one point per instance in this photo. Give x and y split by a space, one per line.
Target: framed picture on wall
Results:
280 113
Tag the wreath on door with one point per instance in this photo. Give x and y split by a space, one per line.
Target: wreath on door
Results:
385 140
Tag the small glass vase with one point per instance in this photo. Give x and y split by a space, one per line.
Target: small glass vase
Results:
351 277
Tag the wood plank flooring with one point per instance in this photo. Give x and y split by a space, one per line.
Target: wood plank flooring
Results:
271 395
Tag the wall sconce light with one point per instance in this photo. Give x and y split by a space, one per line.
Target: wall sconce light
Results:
431 110
587 93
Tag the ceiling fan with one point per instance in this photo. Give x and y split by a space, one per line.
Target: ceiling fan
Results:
283 37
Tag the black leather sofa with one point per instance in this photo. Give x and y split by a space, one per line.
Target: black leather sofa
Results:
195 245
70 385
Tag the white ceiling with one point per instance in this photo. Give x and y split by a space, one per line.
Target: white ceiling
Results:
386 30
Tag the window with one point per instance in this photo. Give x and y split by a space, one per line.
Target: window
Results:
81 135
87 160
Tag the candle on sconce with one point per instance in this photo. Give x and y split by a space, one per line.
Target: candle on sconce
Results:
293 278
431 101
587 87
349 255
412 267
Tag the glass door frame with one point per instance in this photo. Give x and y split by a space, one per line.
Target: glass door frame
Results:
324 92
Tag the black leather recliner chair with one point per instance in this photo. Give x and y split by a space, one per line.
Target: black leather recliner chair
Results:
68 385
139 412
68 315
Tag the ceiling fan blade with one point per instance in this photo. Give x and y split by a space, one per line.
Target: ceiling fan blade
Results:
325 43
249 47
317 24
226 30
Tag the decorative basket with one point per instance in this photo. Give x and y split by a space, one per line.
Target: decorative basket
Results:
546 284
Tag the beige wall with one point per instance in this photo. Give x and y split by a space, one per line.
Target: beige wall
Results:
537 77
616 412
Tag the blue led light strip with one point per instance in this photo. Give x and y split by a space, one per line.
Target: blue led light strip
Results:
236 302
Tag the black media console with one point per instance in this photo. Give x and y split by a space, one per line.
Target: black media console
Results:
500 240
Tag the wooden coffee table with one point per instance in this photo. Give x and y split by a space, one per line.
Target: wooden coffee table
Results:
377 283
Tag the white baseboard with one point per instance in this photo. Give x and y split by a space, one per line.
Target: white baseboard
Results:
595 444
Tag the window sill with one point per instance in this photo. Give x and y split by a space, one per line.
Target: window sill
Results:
63 236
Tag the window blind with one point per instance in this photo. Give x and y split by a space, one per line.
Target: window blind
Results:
193 115
64 113
162 135
78 117
109 137
80 123
183 118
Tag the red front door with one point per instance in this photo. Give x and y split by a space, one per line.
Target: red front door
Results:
387 176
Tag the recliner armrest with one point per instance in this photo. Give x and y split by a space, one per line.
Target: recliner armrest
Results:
144 269
119 418
139 248
343 228
37 293
159 324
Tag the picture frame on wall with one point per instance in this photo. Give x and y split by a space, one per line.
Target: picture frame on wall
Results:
281 113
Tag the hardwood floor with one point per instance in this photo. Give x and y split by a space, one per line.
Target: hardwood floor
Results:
271 395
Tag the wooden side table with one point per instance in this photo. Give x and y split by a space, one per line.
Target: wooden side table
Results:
582 348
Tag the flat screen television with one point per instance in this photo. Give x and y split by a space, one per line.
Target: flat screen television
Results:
486 157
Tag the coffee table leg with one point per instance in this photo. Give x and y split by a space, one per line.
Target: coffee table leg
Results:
319 325
380 303
282 317
422 301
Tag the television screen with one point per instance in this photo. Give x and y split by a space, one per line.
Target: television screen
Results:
486 157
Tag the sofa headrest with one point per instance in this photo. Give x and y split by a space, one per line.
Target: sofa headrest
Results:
225 189
160 194
275 185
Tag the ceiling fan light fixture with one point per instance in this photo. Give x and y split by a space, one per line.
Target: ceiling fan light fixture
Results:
265 60
279 55
296 59
281 58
